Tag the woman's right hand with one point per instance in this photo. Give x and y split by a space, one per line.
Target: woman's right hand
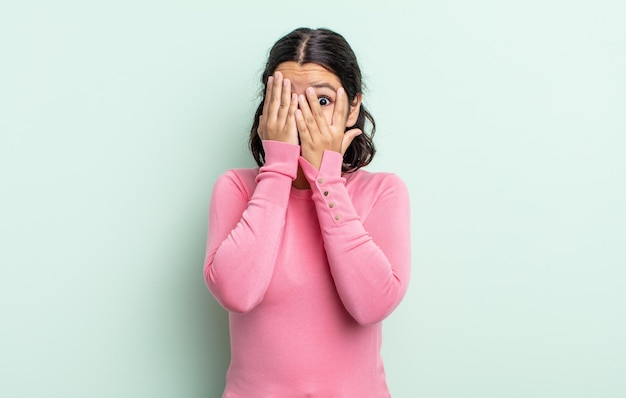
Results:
278 122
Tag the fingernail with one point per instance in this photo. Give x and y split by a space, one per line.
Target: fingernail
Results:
310 90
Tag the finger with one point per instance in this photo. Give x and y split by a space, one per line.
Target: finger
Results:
293 105
316 109
277 88
341 108
307 116
348 137
303 130
291 113
268 92
259 131
285 102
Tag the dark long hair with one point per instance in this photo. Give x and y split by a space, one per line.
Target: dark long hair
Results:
330 50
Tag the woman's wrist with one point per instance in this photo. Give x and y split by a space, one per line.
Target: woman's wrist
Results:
330 166
281 157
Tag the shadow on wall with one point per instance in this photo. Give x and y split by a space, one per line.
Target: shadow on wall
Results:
203 333
217 344
206 352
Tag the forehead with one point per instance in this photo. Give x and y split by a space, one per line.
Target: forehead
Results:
307 73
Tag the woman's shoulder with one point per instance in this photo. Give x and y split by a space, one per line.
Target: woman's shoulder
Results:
369 189
243 179
373 181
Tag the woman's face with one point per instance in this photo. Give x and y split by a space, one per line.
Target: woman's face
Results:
325 84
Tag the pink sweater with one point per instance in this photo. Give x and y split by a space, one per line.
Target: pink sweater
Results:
307 275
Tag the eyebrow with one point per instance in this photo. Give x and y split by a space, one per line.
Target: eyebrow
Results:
319 85
324 85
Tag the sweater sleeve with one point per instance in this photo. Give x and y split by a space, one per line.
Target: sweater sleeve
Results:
244 233
369 259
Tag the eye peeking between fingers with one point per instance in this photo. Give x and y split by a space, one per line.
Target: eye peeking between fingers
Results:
324 101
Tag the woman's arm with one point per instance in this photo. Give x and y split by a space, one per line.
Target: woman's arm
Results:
369 259
244 235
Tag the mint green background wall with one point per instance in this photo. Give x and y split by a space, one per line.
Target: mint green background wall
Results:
506 119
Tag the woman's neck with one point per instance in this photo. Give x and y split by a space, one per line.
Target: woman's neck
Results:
301 182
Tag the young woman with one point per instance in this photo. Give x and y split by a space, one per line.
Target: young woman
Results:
308 252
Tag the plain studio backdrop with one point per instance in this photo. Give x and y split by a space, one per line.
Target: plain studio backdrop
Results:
505 119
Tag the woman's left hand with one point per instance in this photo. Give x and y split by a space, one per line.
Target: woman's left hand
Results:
316 134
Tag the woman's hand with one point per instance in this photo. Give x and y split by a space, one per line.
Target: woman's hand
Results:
316 134
277 122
